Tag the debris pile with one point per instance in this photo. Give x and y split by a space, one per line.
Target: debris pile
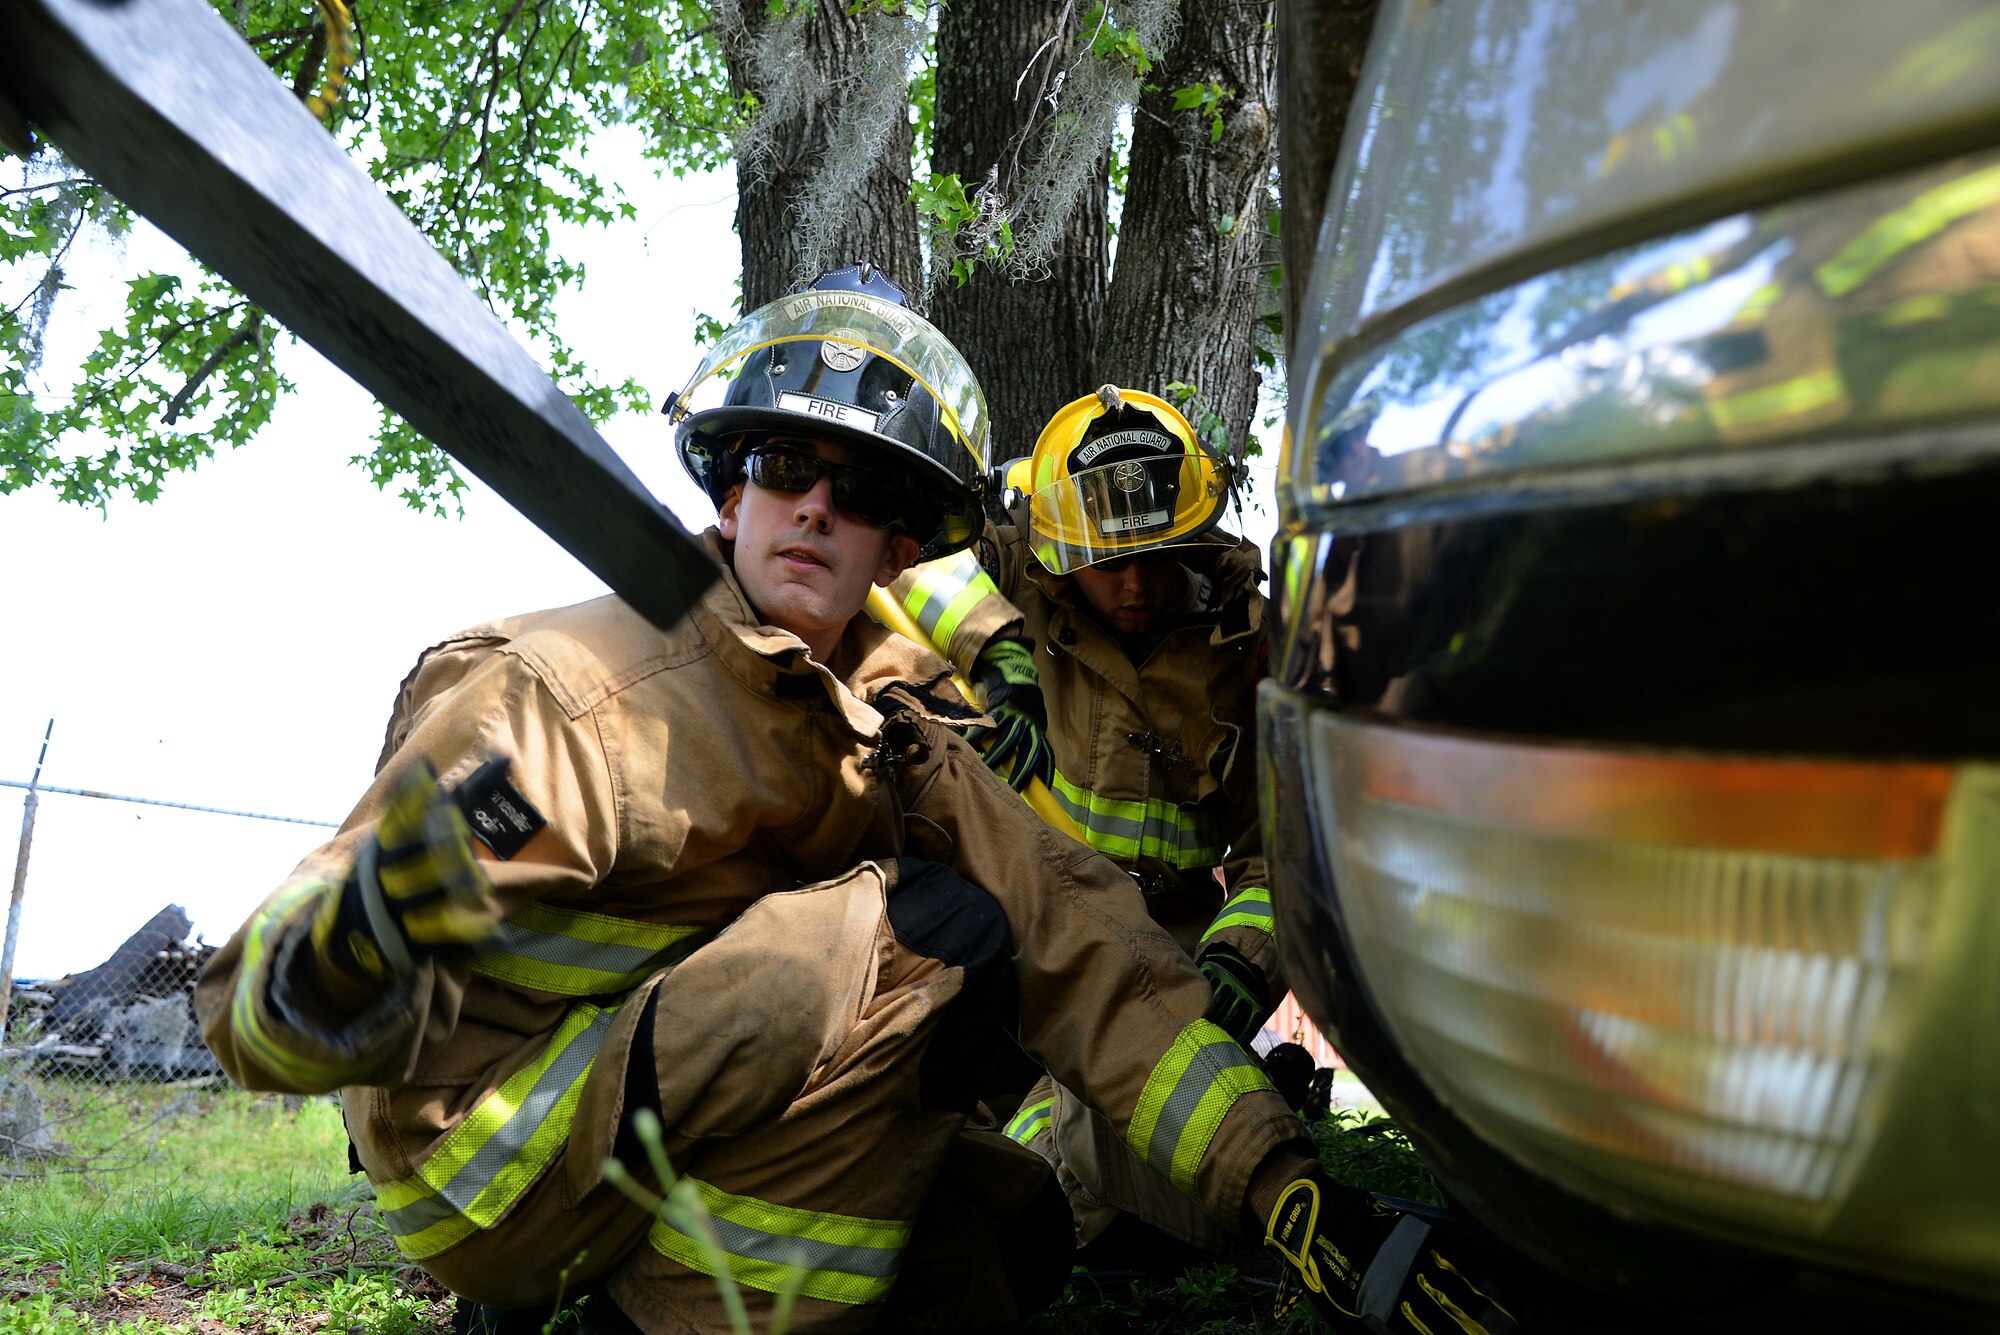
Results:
130 1018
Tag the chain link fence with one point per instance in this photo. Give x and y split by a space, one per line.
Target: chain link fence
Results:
75 1047
92 1063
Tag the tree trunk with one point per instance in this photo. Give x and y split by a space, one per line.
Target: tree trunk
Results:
823 178
1320 48
1032 344
1189 279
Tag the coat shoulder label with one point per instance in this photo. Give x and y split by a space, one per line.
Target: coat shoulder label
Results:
495 811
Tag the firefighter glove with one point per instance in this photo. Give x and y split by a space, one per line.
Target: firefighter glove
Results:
1365 1264
1017 745
415 887
1239 998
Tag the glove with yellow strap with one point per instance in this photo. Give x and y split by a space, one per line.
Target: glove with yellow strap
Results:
1361 1261
415 888
1010 688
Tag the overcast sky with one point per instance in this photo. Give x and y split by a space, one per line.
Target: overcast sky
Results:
238 643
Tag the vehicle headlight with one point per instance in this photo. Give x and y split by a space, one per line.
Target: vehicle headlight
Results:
1755 995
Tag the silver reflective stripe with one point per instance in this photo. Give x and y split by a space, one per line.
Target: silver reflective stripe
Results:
1250 908
810 1253
518 1127
1201 1097
579 954
1383 1283
1030 1121
779 1248
1189 1092
944 591
1119 828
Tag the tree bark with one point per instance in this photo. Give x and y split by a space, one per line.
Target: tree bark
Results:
1320 49
1032 344
824 66
1189 278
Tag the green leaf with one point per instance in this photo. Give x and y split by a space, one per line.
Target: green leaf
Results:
473 120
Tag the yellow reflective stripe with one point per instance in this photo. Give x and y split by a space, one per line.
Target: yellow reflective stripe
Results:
450 1229
1916 310
487 1161
577 954
944 592
1686 274
1893 234
836 1258
1251 908
1029 1122
1759 303
1154 828
1787 398
1185 1099
1676 134
246 1017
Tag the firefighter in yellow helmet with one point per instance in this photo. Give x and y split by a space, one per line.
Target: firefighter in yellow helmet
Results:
744 876
1117 637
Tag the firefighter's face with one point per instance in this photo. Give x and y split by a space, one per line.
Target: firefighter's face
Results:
1132 593
805 563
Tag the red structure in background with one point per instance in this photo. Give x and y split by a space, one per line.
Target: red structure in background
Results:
1291 1025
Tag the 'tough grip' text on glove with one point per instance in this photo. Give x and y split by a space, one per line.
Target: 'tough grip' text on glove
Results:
1362 1262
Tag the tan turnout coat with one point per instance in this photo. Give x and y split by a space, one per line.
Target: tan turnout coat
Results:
685 776
1154 758
1154 761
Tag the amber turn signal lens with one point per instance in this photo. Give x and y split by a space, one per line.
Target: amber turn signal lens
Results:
1751 993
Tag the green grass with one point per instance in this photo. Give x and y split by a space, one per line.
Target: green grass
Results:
194 1213
166 1173
164 1209
1367 1150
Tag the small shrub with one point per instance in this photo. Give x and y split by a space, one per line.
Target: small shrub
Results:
1372 1153
40 1316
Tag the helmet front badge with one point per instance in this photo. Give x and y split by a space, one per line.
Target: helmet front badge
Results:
841 356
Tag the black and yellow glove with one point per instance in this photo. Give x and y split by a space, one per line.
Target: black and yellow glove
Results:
1362 1262
415 887
1239 998
1016 747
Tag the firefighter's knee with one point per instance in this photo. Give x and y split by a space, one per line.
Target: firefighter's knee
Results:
740 1026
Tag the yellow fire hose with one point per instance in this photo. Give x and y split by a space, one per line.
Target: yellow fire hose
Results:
891 616
339 55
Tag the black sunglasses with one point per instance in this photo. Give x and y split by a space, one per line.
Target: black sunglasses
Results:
863 493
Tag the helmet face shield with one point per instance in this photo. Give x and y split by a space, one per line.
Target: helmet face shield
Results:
1117 473
855 370
1117 509
847 320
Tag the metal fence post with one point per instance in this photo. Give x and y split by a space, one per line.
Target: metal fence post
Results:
20 883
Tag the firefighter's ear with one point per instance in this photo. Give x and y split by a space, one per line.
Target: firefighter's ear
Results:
899 556
725 513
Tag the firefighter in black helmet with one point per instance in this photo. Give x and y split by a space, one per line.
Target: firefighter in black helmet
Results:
846 360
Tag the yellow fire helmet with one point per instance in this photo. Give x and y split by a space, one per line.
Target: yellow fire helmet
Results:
1117 473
